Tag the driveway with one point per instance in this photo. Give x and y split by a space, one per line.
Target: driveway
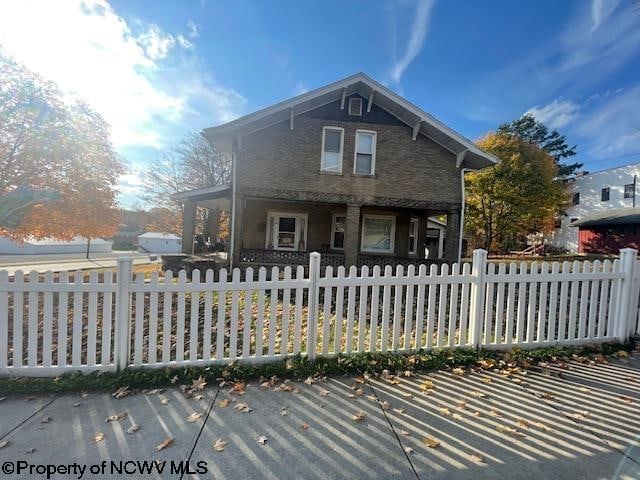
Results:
557 421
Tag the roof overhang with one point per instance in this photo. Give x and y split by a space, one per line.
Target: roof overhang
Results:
467 153
209 197
618 216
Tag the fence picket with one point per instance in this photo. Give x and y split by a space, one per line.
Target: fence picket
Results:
397 311
500 306
167 307
107 305
222 308
584 298
76 339
464 307
442 305
573 305
233 324
542 304
386 305
375 303
208 313
511 304
194 316
489 310
603 316
139 321
593 303
153 322
92 326
337 337
522 294
362 309
326 312
63 320
286 311
453 307
4 325
297 338
273 311
47 324
408 309
180 321
532 301
248 313
262 279
431 307
351 310
32 338
422 272
553 304
18 313
564 301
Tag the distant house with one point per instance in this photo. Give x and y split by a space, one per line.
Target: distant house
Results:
604 215
351 170
51 246
157 242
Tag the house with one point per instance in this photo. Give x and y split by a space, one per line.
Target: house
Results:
351 170
157 242
48 246
603 216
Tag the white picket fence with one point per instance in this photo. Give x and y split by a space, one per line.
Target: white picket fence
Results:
50 323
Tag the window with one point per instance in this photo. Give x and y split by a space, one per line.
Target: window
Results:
365 154
337 232
413 236
378 233
332 144
355 106
286 231
604 195
630 190
576 198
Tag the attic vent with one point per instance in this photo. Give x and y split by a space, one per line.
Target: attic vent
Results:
355 106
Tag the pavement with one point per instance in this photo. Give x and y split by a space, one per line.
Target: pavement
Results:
556 421
68 261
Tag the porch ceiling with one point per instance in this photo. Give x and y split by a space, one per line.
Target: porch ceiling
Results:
210 197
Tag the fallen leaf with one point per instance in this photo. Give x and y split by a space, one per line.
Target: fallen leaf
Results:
461 404
164 444
324 393
304 426
431 442
626 400
174 379
30 451
478 394
372 398
121 392
243 407
548 395
399 410
219 445
359 416
385 405
4 443
476 457
237 388
309 381
485 379
155 391
458 371
622 354
133 428
494 413
408 450
540 426
164 401
584 389
194 417
405 433
223 403
284 411
29 398
45 420
444 411
523 423
198 397
360 379
427 385
262 440
509 431
118 417
77 404
98 437
457 416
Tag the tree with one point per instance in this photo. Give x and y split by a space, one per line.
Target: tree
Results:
527 128
49 143
518 196
193 163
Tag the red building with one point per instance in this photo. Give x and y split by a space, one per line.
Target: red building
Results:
609 231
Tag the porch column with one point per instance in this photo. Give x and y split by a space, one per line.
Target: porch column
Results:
188 226
452 246
351 235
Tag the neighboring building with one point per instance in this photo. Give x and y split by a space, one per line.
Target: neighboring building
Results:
603 215
156 242
51 246
351 170
132 223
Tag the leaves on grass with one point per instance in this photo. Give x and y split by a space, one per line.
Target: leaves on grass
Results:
431 442
243 407
262 440
194 417
164 444
359 416
121 392
30 451
133 428
98 437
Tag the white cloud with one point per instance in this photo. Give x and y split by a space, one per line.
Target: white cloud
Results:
600 10
194 29
556 114
131 183
146 82
613 126
417 36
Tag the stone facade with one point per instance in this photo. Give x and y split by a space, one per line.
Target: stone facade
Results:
278 169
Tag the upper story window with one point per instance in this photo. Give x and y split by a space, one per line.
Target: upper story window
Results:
413 236
332 146
355 106
604 195
629 190
576 198
365 153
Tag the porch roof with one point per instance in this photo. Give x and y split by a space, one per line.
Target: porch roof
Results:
617 216
469 155
218 196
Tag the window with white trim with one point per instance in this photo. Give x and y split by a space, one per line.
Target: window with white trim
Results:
337 231
365 153
286 231
355 106
378 233
332 147
413 236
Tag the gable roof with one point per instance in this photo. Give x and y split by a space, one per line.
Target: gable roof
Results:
469 155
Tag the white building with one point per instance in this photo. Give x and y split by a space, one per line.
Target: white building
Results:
50 246
156 242
593 193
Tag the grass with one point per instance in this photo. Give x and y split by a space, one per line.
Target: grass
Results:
297 367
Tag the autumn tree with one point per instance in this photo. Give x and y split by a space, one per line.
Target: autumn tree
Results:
193 163
60 146
520 195
529 129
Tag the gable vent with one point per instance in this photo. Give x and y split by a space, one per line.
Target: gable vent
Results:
355 106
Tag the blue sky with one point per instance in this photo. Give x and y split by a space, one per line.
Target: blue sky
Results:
157 70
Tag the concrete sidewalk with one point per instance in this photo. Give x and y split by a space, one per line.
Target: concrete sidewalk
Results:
555 421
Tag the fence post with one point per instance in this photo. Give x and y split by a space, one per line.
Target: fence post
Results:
122 328
476 315
627 266
314 293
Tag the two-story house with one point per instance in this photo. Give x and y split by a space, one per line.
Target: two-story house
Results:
604 214
351 170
